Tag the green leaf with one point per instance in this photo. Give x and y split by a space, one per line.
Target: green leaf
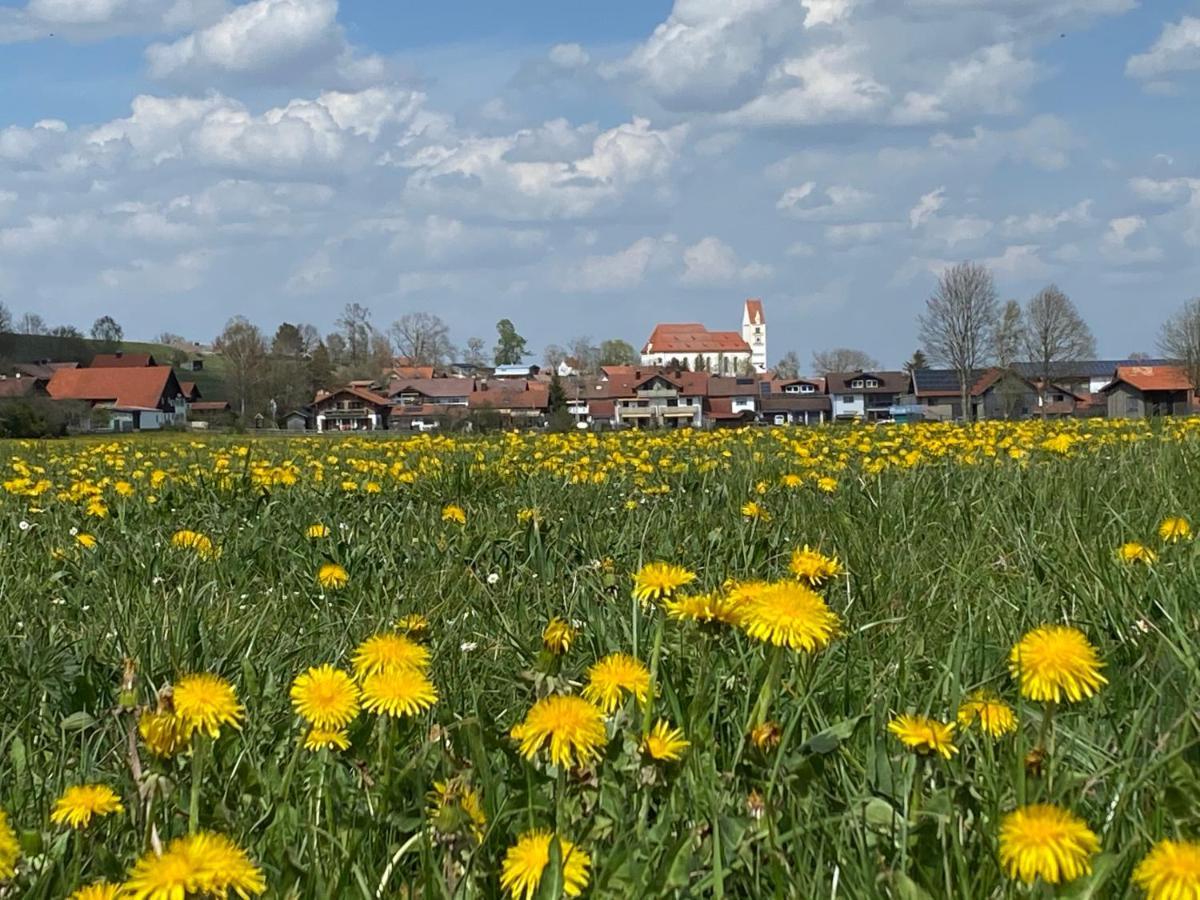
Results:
1093 886
551 886
78 721
831 738
907 889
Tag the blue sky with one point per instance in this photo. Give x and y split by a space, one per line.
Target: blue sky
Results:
590 169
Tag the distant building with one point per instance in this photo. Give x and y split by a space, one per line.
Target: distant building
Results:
690 345
1149 390
754 333
121 360
351 409
135 399
865 396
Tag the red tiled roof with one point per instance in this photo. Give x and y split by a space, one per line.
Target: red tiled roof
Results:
691 337
404 370
1152 378
121 360
190 390
722 408
500 395
360 393
141 388
754 309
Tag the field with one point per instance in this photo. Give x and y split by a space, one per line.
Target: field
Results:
132 565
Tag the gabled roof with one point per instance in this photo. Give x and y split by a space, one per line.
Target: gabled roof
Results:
1151 378
723 386
1086 368
406 371
21 387
140 388
360 393
190 391
432 387
754 312
121 360
692 337
889 382
511 395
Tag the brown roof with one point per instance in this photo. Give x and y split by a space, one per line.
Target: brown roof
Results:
209 406
603 408
127 388
519 395
755 310
19 387
1151 378
889 382
42 370
360 393
692 337
121 360
402 369
797 402
190 390
618 371
722 408
722 386
433 387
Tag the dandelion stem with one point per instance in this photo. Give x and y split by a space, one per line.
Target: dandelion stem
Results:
763 704
652 690
199 751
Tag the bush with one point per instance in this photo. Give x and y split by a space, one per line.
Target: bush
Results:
31 418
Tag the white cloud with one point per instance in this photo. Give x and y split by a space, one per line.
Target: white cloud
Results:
857 233
710 261
1045 142
85 20
1126 242
569 56
1039 224
1176 50
825 12
1121 230
624 269
928 205
1163 191
841 201
1019 261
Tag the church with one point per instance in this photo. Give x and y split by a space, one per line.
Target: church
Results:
692 345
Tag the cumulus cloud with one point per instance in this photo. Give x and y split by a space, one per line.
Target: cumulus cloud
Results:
928 205
840 201
1177 50
625 268
711 261
1038 224
86 20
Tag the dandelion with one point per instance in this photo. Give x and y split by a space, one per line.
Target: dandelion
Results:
526 860
790 615
659 580
617 674
326 697
1131 552
827 484
571 726
86 541
398 692
199 864
1044 841
200 544
924 735
387 652
754 510
706 608
332 577
414 624
326 739
162 732
664 743
1170 871
791 480
1174 529
317 531
10 848
205 702
452 512
766 736
1056 660
814 567
101 890
558 636
80 803
995 716
454 804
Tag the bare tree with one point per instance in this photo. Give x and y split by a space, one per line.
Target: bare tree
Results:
355 325
616 352
958 326
31 323
842 359
1055 333
1010 334
1180 340
585 353
1138 356
245 352
6 319
421 338
553 355
476 353
789 366
310 337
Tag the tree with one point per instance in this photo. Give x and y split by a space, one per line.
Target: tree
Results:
31 323
287 341
842 359
556 405
320 368
422 339
1179 339
245 352
788 367
958 326
335 344
1010 334
1138 356
553 355
170 338
106 330
585 353
66 331
6 320
917 361
475 355
355 326
616 352
1055 333
309 337
510 346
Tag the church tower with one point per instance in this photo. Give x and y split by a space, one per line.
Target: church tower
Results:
754 333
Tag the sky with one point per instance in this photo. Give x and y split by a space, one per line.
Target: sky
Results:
589 168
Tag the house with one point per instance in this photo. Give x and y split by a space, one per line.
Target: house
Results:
18 388
351 409
731 400
1083 376
568 367
121 360
865 396
793 401
142 398
420 404
191 393
1149 390
517 403
996 393
657 400
41 370
297 419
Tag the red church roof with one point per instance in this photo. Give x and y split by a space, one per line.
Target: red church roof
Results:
754 311
691 337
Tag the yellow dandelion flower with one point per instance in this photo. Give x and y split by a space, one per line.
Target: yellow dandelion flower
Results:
1054 661
792 480
827 484
326 739
332 577
414 624
664 743
201 544
86 541
10 848
205 702
452 512
1174 529
101 890
80 803
767 735
924 735
386 652
326 697
659 580
1046 842
706 608
558 636
610 678
455 805
814 567
753 510
398 692
317 531
1170 871
529 514
200 864
526 860
996 717
788 614
1131 552
571 726
162 732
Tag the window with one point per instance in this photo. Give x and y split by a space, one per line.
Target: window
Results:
807 389
856 383
847 398
1131 406
872 382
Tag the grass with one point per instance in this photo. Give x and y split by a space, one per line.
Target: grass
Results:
951 558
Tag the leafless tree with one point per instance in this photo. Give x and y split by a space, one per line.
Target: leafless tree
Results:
553 355
585 353
476 352
245 352
788 366
31 323
1010 334
6 319
842 359
422 338
355 325
958 326
1055 333
309 336
1180 339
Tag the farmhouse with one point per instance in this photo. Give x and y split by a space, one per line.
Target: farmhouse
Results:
142 398
1139 391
